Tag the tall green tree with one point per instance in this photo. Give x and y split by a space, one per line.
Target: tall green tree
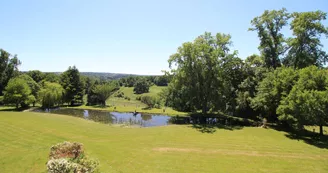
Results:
141 86
50 95
36 75
100 93
73 86
232 73
17 92
306 47
272 89
8 68
254 69
307 103
34 87
52 77
272 42
196 73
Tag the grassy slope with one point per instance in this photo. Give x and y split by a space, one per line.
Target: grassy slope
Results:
123 105
26 138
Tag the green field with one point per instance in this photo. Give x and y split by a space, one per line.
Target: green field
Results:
124 105
27 137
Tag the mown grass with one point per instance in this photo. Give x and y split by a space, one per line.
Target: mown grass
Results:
26 138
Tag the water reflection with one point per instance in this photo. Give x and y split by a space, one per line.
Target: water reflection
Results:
143 120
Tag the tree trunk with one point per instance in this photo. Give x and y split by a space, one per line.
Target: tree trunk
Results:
17 104
321 130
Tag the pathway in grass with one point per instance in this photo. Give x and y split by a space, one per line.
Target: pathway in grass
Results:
26 138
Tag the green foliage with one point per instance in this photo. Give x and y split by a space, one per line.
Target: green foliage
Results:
1 100
272 89
8 68
50 95
100 93
17 92
150 101
254 71
305 46
35 87
36 75
161 80
307 103
272 42
197 78
73 86
69 157
52 77
141 86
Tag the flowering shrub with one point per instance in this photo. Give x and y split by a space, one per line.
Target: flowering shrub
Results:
69 157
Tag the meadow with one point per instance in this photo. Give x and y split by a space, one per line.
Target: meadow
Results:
124 105
26 139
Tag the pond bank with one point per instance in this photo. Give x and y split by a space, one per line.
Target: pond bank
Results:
129 109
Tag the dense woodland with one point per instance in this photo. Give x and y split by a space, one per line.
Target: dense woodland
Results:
286 83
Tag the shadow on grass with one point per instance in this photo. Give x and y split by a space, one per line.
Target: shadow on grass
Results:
12 109
209 128
306 136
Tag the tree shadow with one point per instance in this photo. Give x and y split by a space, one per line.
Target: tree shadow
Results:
210 128
311 138
13 109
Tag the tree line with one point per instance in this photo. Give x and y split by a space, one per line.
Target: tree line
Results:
286 83
69 87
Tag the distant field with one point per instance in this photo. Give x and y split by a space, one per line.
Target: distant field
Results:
124 105
27 137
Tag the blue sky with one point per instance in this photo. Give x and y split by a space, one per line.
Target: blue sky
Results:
126 36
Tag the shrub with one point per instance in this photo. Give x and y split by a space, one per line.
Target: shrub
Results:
127 98
119 94
141 86
138 98
69 157
151 102
66 150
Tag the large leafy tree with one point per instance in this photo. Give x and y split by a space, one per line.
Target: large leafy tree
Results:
73 86
305 46
17 92
50 95
272 42
232 73
307 103
272 89
196 73
36 75
100 93
34 87
141 86
8 68
254 72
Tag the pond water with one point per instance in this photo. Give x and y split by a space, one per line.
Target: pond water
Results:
139 119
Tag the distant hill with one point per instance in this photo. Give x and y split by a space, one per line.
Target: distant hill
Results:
110 76
103 75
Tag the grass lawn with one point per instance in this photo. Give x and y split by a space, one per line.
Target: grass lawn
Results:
26 139
124 105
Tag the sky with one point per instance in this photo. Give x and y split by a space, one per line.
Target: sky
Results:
134 37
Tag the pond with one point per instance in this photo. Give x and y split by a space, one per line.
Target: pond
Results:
131 119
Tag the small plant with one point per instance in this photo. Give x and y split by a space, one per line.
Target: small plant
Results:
119 94
127 98
264 123
69 157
